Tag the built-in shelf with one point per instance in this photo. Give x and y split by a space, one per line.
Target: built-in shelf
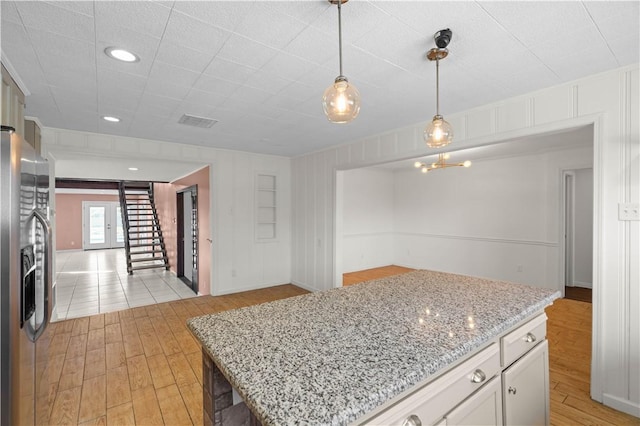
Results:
266 223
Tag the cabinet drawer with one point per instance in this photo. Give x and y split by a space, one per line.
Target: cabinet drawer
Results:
430 403
522 339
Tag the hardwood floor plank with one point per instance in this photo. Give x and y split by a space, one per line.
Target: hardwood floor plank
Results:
111 318
118 388
77 346
95 339
59 343
161 373
139 375
72 373
99 421
115 355
601 412
172 406
132 345
112 333
192 397
95 363
181 369
94 398
121 415
145 407
96 321
66 406
80 326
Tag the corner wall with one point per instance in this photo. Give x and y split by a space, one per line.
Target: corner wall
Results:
609 101
68 218
165 199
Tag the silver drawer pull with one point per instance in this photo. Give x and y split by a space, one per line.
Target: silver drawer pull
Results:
512 390
530 338
478 376
412 420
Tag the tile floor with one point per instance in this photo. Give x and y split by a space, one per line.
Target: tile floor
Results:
96 281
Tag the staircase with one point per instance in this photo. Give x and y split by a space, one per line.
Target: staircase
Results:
143 240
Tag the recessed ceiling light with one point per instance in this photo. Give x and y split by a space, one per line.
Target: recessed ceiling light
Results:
121 54
133 169
111 119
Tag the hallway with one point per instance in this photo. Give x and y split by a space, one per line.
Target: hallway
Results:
96 281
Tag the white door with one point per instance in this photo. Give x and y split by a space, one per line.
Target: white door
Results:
102 225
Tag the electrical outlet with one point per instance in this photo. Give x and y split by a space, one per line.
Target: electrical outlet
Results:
628 211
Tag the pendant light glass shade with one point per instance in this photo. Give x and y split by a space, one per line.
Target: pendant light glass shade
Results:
341 101
438 133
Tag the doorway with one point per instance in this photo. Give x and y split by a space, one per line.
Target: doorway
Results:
101 225
187 244
577 221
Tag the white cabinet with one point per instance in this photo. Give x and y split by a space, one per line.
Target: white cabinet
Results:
482 408
429 404
505 383
526 388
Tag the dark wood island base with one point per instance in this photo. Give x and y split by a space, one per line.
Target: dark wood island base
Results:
217 403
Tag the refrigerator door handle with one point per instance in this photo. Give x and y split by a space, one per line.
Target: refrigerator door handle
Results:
40 217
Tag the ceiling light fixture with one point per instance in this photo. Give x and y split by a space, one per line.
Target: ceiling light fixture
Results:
341 100
440 164
111 119
133 169
121 54
439 132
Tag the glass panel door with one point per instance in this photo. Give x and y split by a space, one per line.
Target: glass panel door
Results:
102 225
95 226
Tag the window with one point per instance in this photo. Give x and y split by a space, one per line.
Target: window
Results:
266 207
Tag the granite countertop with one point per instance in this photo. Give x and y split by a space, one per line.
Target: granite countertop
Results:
331 357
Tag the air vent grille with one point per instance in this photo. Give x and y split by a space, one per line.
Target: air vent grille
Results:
195 121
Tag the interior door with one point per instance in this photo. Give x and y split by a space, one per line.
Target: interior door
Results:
187 227
102 225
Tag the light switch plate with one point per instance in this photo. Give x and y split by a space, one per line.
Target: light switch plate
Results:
629 211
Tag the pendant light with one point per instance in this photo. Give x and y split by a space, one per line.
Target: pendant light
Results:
439 132
341 100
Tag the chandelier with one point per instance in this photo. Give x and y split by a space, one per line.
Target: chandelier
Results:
440 164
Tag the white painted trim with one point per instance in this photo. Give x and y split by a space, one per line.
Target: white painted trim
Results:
597 370
14 74
254 287
304 286
620 404
34 119
338 226
582 284
368 234
483 239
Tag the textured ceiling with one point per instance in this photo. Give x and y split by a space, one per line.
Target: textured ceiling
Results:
260 68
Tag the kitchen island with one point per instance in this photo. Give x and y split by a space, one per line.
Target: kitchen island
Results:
345 355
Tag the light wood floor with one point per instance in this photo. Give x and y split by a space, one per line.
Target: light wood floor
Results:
142 366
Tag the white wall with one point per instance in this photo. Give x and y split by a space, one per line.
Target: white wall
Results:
238 261
368 206
583 228
497 219
610 101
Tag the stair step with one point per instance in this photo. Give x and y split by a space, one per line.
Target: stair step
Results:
137 268
158 250
148 259
145 238
143 245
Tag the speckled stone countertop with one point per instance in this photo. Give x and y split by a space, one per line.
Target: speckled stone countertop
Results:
331 357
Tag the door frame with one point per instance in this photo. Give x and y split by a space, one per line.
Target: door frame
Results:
111 224
193 282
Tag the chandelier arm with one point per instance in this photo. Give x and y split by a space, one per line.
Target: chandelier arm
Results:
340 34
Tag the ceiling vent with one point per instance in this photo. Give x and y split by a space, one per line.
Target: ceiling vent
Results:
195 121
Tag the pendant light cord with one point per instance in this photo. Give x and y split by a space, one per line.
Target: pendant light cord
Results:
340 34
437 86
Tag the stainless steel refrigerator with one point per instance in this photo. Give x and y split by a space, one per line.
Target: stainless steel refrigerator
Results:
25 286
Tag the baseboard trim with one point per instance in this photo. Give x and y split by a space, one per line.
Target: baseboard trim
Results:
624 405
